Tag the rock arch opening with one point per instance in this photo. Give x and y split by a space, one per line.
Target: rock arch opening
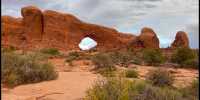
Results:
87 43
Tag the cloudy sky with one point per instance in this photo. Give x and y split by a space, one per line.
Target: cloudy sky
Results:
166 17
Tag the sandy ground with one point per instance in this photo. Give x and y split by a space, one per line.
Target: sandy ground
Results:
183 77
69 85
73 81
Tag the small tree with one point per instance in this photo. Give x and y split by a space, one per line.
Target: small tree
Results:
153 56
185 57
102 60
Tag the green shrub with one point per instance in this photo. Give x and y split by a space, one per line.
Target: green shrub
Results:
121 89
192 91
73 56
185 57
160 77
122 58
50 51
8 49
137 61
109 89
21 69
102 60
158 93
107 72
131 73
103 64
191 63
153 56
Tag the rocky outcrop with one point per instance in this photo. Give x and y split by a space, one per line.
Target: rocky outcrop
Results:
146 39
12 31
51 29
66 31
181 40
33 23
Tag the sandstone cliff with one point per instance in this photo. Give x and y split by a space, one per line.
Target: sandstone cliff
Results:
51 29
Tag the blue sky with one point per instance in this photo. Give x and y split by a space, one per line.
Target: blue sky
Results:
166 17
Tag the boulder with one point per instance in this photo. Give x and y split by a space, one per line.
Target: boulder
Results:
181 40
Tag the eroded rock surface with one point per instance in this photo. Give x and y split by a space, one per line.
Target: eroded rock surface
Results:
50 29
146 39
181 40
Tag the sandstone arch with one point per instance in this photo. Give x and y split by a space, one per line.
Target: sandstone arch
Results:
51 29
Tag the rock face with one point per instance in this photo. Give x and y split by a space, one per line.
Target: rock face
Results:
51 29
12 31
33 22
181 40
147 39
65 30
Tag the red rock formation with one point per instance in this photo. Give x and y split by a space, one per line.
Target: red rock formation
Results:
147 39
66 31
181 40
12 31
33 23
50 29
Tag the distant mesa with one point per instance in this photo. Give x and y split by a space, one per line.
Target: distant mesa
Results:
51 29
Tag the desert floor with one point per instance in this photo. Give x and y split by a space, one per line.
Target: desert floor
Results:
73 82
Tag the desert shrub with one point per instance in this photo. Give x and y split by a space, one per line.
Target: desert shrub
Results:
131 73
192 91
122 58
185 57
8 49
153 56
102 60
50 51
160 77
158 93
109 89
137 60
107 71
72 56
103 64
191 63
92 50
22 69
121 89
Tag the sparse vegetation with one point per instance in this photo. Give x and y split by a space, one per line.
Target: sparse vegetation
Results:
131 73
110 89
191 63
22 69
50 51
157 93
186 57
107 72
122 58
103 64
191 91
153 56
72 56
8 49
160 77
102 60
121 89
